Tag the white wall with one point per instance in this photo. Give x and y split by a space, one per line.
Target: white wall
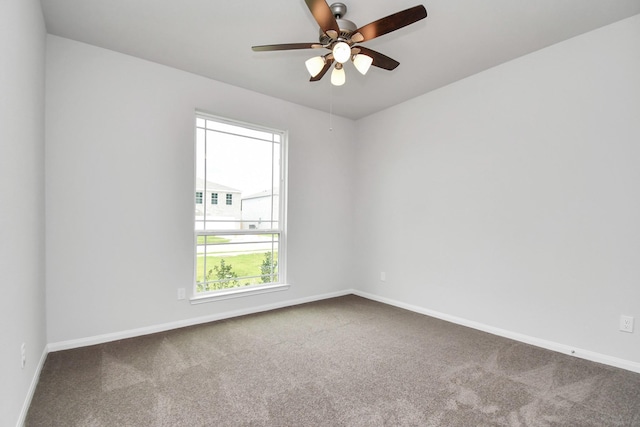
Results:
512 198
120 140
22 259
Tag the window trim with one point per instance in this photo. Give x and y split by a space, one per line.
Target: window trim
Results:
246 291
282 284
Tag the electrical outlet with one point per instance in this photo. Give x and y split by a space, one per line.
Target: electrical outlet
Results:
181 293
383 276
626 323
23 354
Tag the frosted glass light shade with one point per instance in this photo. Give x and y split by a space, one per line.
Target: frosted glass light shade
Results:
341 52
338 76
362 63
314 65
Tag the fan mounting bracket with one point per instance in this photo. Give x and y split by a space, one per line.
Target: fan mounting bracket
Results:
338 10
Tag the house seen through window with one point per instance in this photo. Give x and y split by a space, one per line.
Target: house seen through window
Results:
239 243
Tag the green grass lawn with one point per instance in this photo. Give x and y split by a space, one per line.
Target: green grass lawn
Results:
243 265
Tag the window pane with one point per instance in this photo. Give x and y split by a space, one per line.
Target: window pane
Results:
240 163
228 261
238 178
246 171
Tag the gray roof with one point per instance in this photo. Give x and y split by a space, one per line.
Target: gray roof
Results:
265 193
212 186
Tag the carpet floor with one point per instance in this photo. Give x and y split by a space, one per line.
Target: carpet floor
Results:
345 361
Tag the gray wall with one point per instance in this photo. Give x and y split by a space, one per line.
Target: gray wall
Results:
22 258
512 198
116 125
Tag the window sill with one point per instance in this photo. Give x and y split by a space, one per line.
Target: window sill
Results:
238 293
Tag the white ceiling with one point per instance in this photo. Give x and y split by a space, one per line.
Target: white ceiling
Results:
213 38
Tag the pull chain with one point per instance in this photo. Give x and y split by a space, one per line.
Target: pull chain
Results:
331 108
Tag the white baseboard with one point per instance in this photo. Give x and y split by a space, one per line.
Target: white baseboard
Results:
549 345
99 339
32 388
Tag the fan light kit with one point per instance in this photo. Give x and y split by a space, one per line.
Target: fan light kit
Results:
340 36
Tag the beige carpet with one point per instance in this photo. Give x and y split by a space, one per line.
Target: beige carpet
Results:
341 362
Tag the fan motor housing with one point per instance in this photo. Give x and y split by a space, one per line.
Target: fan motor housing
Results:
346 27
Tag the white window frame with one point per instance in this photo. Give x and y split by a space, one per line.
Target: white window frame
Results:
281 285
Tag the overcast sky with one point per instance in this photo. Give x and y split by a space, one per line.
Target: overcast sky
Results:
236 161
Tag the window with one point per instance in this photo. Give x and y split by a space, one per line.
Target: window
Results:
199 197
239 246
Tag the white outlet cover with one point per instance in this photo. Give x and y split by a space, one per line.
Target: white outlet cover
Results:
626 323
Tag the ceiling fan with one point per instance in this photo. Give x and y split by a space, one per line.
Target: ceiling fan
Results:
340 36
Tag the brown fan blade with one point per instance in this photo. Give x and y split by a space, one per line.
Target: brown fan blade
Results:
322 72
379 60
286 46
390 23
324 17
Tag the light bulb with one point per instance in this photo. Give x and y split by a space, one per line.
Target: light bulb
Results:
314 65
337 76
341 52
362 63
